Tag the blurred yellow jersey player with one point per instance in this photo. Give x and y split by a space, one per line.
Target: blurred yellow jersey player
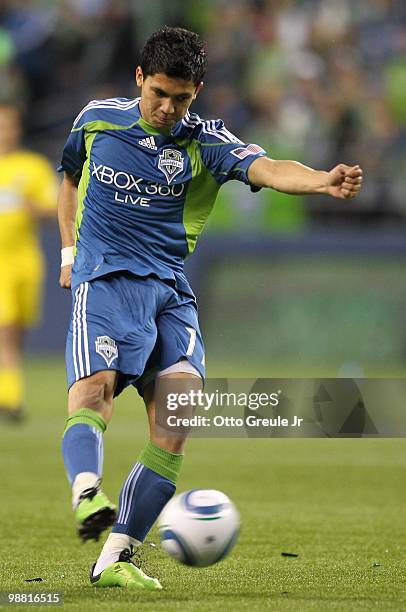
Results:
27 193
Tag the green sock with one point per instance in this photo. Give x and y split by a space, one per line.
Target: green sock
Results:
82 444
161 461
86 416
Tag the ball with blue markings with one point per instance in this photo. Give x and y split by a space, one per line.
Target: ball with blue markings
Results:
199 527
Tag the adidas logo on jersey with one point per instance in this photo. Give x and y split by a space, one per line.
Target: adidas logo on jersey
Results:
149 143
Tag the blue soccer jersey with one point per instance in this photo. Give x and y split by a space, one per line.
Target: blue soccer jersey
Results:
144 197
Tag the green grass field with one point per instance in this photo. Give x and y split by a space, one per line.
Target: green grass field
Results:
338 504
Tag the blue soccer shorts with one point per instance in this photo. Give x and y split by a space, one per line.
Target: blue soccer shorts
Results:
136 326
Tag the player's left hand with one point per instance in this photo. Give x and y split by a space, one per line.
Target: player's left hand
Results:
344 181
65 277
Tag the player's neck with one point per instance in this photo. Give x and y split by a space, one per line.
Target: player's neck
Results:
152 128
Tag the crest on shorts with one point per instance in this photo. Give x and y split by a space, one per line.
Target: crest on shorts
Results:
170 163
107 348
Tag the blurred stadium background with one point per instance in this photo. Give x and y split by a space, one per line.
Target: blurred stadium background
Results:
302 283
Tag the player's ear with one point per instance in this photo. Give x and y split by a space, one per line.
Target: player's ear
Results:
198 90
139 77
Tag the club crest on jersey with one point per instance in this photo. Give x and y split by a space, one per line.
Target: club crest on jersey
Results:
170 163
107 348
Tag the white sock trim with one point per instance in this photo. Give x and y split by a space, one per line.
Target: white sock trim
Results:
83 481
114 545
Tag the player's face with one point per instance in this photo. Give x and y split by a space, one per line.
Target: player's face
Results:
10 129
164 100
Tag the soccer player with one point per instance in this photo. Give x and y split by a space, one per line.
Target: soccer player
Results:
28 191
140 179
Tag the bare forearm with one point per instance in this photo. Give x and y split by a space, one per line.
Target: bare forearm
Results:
287 176
67 206
342 181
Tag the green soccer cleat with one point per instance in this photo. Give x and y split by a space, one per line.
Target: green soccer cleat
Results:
123 573
94 514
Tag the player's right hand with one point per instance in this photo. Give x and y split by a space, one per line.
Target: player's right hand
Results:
344 181
65 277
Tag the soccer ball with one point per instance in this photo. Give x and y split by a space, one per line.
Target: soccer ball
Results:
199 527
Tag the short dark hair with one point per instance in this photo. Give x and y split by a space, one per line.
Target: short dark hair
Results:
176 52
